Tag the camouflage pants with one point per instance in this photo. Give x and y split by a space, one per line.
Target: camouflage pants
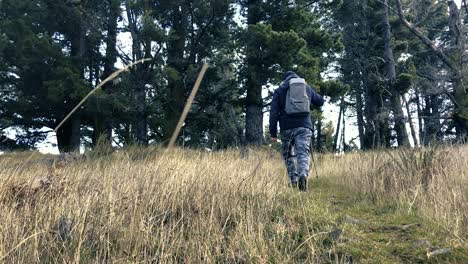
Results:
295 144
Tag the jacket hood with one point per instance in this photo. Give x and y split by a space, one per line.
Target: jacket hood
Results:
289 75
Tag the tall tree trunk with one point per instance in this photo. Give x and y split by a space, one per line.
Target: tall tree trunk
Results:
343 135
436 118
68 137
360 118
254 100
319 134
426 113
384 131
410 120
457 35
140 122
420 120
97 125
372 135
372 109
372 126
104 122
176 64
139 80
399 118
431 119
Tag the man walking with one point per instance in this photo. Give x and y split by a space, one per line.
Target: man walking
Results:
291 108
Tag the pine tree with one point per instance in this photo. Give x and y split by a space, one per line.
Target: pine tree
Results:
280 36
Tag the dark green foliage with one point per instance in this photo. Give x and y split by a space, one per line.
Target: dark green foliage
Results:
52 53
403 82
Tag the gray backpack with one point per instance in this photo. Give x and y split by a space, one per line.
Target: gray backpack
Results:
297 100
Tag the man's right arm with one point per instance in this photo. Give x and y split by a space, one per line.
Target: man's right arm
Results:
315 98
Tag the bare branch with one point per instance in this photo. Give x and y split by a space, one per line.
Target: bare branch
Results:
123 56
389 7
441 54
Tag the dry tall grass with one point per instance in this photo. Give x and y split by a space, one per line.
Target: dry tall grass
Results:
194 207
188 207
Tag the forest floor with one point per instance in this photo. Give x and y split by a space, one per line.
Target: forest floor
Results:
357 229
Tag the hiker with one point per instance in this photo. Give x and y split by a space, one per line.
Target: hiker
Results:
291 106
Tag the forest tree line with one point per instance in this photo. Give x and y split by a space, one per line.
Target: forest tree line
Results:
395 68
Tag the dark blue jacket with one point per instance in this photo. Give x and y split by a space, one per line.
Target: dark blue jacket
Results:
277 112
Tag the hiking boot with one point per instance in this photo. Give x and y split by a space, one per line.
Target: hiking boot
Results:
293 184
303 184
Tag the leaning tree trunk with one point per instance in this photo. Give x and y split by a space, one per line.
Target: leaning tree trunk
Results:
254 100
337 133
399 118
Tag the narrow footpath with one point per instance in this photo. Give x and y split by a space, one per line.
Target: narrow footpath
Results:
350 228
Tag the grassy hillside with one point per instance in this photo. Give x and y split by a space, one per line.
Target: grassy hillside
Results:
192 207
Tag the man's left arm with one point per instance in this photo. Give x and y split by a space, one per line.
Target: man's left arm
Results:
274 115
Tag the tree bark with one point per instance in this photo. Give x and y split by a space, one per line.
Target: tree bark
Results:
254 100
399 118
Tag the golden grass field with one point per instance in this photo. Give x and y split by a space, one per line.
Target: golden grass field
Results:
197 207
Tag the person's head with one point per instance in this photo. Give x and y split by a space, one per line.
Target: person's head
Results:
288 74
